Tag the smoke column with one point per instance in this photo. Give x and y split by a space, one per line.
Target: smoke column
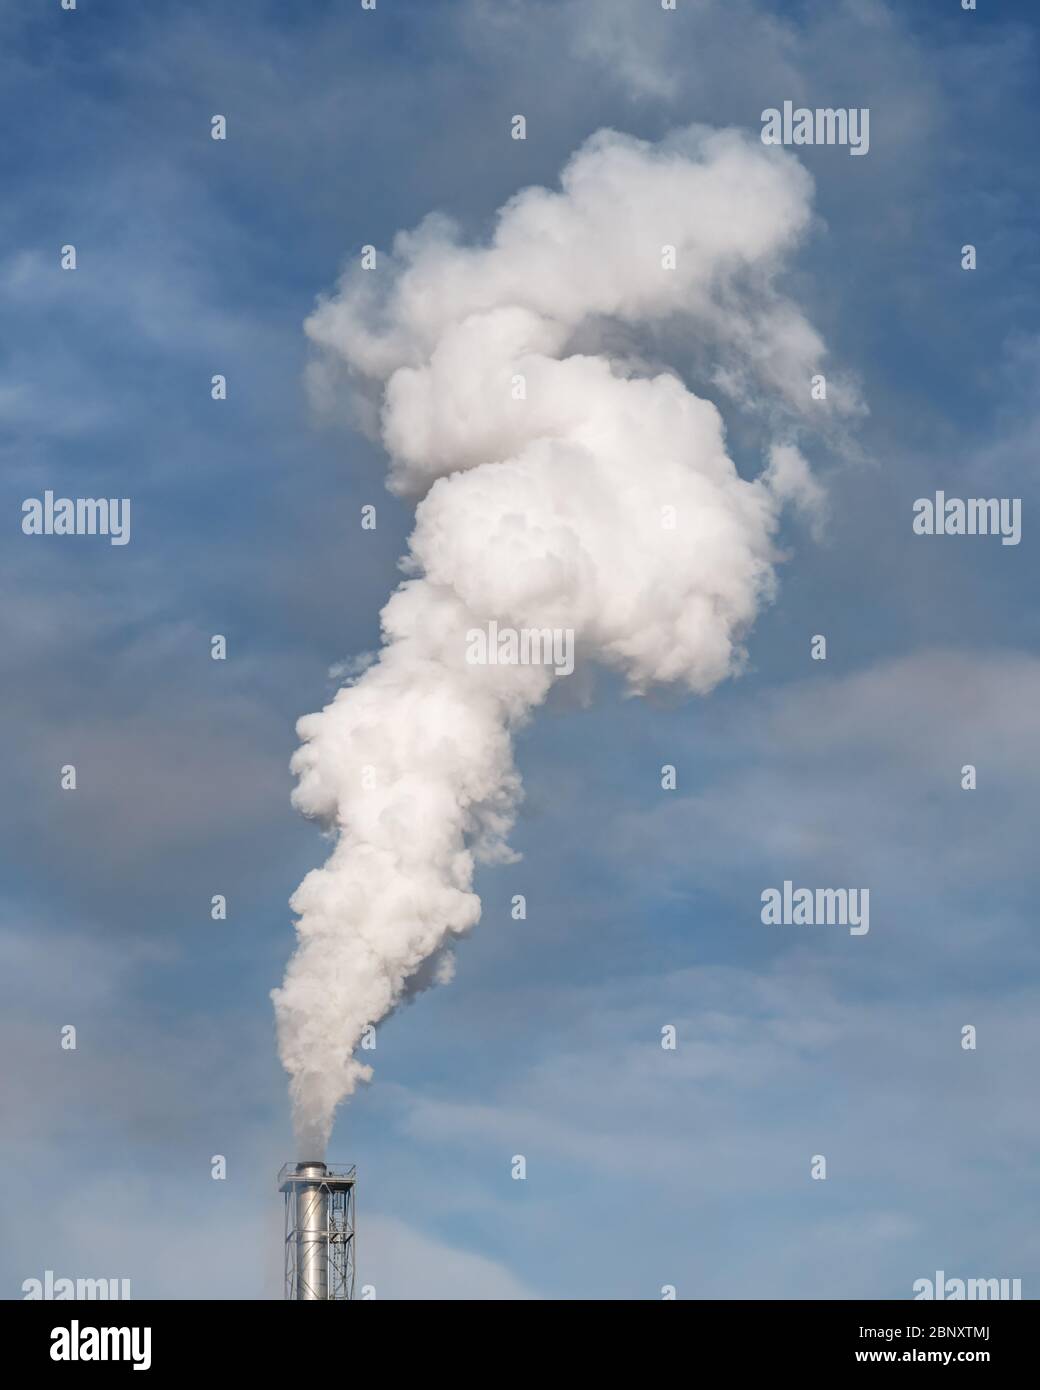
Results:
602 500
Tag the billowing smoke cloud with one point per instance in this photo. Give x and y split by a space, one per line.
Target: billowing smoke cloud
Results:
565 488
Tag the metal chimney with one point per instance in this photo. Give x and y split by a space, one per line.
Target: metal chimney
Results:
319 1231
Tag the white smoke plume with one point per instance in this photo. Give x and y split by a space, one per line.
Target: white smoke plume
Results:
602 501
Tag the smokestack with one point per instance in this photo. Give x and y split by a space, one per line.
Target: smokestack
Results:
312 1234
319 1231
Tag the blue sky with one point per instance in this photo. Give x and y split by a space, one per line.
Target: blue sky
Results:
645 1167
